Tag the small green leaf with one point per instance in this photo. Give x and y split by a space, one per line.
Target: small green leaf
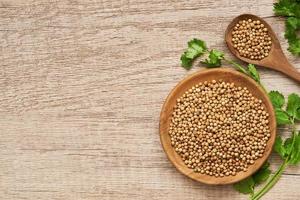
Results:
214 59
288 146
253 73
195 49
293 105
295 151
287 8
282 117
276 98
298 114
245 186
292 25
262 174
186 62
279 148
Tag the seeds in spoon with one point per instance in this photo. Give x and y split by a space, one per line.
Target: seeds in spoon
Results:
219 129
251 39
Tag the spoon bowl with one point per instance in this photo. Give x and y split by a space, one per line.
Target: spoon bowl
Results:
227 75
275 60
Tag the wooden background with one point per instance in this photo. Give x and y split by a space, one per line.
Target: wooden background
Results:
81 88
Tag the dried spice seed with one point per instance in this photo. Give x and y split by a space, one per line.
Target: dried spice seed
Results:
219 129
251 39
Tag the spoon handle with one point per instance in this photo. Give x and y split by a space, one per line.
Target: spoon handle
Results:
289 70
281 63
293 73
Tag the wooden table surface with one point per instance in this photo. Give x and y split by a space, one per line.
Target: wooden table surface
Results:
82 84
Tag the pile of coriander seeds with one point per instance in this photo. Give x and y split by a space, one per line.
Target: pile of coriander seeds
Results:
251 39
219 129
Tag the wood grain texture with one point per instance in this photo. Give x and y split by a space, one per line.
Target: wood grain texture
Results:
82 84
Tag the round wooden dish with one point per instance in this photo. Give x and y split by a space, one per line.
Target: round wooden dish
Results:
227 75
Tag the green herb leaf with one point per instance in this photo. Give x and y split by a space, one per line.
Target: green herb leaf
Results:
295 150
279 148
277 99
245 186
291 26
288 145
293 105
294 47
282 117
262 174
287 8
253 73
186 62
195 49
214 58
290 9
298 114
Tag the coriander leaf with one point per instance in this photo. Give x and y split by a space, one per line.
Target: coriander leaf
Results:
293 105
279 148
245 186
196 48
295 150
214 58
294 47
288 146
186 62
276 98
291 26
298 114
262 174
282 117
287 8
253 73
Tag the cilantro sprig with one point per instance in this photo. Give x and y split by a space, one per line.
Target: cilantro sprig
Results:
247 185
288 149
287 113
291 10
198 48
195 49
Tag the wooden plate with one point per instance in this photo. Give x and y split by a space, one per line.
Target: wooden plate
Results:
227 75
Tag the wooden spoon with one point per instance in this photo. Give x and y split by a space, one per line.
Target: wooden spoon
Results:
276 59
228 75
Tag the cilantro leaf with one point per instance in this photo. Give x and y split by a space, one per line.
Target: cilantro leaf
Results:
291 26
186 62
195 49
298 114
294 47
245 186
290 149
282 117
262 174
288 146
290 9
214 58
293 105
279 148
253 73
287 8
295 150
277 99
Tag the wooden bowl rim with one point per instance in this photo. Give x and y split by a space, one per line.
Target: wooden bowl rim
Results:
211 179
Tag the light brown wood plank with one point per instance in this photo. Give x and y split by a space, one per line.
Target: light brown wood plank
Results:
82 84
